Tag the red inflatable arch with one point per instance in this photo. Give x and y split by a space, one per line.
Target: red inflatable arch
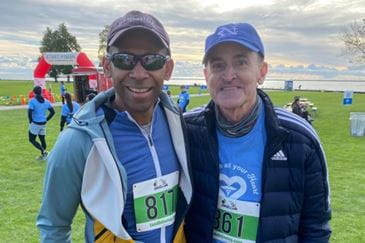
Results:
60 58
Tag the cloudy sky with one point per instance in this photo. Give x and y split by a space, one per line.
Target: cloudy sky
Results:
302 38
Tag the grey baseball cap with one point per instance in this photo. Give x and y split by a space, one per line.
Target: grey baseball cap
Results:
137 20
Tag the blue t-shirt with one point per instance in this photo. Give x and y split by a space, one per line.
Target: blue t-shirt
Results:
39 109
183 99
62 89
240 181
144 157
65 111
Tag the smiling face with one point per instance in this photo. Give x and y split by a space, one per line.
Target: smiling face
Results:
233 73
137 90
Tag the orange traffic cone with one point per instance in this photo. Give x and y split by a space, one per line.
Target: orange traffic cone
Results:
23 101
51 98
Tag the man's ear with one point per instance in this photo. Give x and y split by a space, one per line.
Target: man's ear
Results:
205 71
169 67
263 71
107 65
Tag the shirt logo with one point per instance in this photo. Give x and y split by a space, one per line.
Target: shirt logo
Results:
233 187
279 156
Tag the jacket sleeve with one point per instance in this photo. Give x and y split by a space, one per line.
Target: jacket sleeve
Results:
62 187
316 212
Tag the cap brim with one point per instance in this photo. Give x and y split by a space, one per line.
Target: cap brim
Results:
121 32
242 43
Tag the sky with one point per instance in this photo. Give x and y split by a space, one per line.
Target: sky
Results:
302 38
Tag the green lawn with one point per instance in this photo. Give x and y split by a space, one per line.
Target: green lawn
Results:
12 90
21 176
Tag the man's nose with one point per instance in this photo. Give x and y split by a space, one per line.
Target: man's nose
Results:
229 73
138 72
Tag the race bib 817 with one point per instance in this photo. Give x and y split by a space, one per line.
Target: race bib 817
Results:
155 202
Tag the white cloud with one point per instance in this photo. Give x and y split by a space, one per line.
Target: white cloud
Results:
301 32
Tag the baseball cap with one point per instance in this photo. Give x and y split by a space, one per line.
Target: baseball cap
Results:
137 20
241 33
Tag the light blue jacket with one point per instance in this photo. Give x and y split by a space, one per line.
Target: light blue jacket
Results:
83 169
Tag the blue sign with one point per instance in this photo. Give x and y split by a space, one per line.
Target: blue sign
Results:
165 87
347 97
347 101
288 85
203 87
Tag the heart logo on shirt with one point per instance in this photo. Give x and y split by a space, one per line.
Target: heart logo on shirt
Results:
233 187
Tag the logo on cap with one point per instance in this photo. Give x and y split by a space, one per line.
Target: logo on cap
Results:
224 31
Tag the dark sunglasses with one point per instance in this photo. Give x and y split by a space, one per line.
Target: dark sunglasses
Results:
127 61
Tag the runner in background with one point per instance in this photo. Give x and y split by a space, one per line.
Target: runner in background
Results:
184 98
62 91
68 110
37 109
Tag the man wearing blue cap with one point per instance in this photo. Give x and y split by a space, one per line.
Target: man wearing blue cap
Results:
259 171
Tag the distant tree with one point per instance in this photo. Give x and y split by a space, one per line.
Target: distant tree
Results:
59 40
354 39
102 42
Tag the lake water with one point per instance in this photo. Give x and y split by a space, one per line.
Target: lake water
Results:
325 85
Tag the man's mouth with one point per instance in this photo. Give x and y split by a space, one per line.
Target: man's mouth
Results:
229 88
139 90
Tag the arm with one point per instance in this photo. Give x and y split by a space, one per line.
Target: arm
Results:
30 115
316 212
62 123
187 103
62 187
51 113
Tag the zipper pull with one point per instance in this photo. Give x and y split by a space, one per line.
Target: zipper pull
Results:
150 140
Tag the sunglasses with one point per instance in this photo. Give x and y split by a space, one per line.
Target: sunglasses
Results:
127 61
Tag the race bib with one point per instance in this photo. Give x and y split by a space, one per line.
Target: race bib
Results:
155 202
236 221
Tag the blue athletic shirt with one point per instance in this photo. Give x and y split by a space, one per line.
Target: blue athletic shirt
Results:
65 111
183 99
240 163
62 89
135 151
39 109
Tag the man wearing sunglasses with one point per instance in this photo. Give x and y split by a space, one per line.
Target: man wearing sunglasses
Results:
123 157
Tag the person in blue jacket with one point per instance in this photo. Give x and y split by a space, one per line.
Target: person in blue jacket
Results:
259 172
123 157
68 110
62 91
37 110
183 99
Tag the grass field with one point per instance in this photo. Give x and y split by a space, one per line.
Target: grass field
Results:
12 90
21 176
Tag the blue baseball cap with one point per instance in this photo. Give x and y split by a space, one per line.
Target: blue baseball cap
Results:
242 33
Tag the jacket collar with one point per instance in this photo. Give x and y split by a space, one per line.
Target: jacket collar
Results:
275 132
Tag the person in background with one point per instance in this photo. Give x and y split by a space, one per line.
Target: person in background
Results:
62 91
259 172
301 109
90 96
168 92
296 107
123 157
37 108
68 110
184 98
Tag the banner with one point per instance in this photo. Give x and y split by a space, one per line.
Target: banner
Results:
61 58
